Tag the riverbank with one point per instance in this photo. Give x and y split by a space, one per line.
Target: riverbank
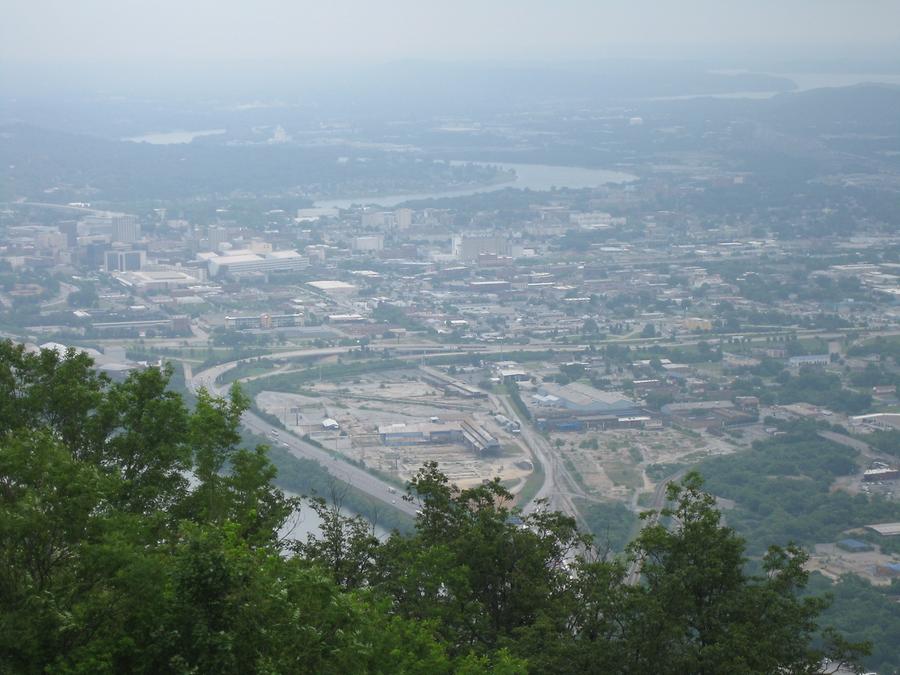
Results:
538 177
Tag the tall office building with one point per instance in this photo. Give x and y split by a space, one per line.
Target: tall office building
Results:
403 218
124 261
470 246
125 228
372 242
70 229
216 235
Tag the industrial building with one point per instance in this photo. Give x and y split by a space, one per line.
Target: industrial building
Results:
492 286
568 422
478 439
890 570
245 261
449 385
583 398
415 434
879 474
709 414
179 325
263 321
144 281
472 435
886 421
854 545
511 426
885 529
797 362
334 288
512 374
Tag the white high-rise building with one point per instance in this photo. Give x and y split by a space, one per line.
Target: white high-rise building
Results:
377 218
470 246
216 236
125 228
403 218
372 242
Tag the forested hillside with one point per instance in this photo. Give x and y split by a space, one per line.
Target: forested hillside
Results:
137 535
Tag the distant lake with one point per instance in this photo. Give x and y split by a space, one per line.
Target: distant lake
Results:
538 177
172 137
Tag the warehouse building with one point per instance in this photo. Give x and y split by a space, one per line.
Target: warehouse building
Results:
245 261
709 414
885 529
263 321
478 439
583 398
880 474
468 433
334 288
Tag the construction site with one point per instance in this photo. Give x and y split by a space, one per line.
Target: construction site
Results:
395 422
621 464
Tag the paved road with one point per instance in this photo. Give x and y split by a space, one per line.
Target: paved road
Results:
847 441
539 450
347 473
558 486
865 450
343 471
659 501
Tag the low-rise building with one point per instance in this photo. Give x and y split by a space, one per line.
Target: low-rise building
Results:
583 398
880 474
245 261
263 321
469 433
334 288
810 360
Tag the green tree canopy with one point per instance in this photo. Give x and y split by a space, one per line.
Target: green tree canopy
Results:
137 535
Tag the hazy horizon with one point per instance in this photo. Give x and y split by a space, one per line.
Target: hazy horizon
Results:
94 35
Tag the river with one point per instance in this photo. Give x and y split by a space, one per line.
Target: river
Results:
305 521
528 177
172 137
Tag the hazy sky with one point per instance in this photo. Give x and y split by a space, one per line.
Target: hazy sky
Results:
82 32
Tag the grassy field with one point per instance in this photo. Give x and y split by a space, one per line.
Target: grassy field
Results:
532 484
623 474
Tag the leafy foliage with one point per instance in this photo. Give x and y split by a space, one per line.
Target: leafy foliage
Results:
612 523
863 612
887 441
139 536
782 490
821 388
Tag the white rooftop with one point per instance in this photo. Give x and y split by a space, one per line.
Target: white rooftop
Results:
885 529
332 285
283 255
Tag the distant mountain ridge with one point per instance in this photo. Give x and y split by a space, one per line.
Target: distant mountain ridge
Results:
869 108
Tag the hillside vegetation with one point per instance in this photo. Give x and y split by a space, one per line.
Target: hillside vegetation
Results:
137 535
